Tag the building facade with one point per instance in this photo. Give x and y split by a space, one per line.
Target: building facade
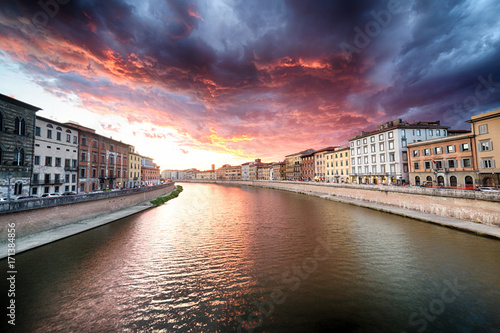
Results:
320 163
134 168
55 165
102 162
17 136
150 172
294 165
486 130
337 165
308 169
448 161
245 171
381 156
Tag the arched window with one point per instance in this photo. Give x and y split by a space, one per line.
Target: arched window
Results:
50 126
18 188
68 131
429 179
20 126
453 181
469 180
440 181
417 180
58 129
18 156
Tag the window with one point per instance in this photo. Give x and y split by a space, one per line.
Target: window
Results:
438 150
48 161
488 164
465 147
34 190
372 139
57 178
359 160
75 139
103 158
391 144
382 158
417 181
485 146
416 165
365 160
382 168
112 147
38 131
353 161
431 132
483 129
427 165
83 156
452 164
58 162
73 178
374 169
82 172
405 167
374 159
466 163
392 157
364 141
18 188
438 132
415 153
450 148
66 178
438 164
36 178
84 140
381 147
390 135
73 164
405 156
426 152
381 137
365 150
94 143
68 137
358 143
37 160
58 136
372 148
419 133
49 134
20 126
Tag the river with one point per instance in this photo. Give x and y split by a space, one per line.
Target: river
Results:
242 259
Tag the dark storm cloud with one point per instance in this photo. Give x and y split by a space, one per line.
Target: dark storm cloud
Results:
265 69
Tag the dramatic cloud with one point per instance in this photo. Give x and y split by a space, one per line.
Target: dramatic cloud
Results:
261 78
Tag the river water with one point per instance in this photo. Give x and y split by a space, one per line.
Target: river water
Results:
242 259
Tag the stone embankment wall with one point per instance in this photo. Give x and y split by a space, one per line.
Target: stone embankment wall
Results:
36 215
473 206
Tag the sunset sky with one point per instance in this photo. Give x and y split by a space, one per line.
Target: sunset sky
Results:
191 83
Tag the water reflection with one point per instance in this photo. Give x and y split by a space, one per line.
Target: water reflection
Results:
222 258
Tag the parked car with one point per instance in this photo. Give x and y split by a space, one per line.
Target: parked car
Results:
488 189
4 199
50 195
24 197
68 193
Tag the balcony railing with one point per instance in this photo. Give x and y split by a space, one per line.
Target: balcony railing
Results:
47 182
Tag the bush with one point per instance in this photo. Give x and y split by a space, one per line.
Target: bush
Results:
162 200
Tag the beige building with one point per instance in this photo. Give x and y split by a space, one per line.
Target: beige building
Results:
233 172
293 164
337 165
264 172
209 174
486 130
134 167
320 163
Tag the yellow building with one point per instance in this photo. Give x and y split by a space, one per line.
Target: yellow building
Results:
233 172
134 167
486 130
293 164
337 165
209 174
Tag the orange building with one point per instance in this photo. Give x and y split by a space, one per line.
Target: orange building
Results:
447 161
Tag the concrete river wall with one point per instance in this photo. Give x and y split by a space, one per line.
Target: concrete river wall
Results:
475 206
37 215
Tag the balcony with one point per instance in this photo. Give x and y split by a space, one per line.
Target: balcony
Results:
47 182
70 168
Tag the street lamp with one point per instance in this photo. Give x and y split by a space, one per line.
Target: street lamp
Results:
9 176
